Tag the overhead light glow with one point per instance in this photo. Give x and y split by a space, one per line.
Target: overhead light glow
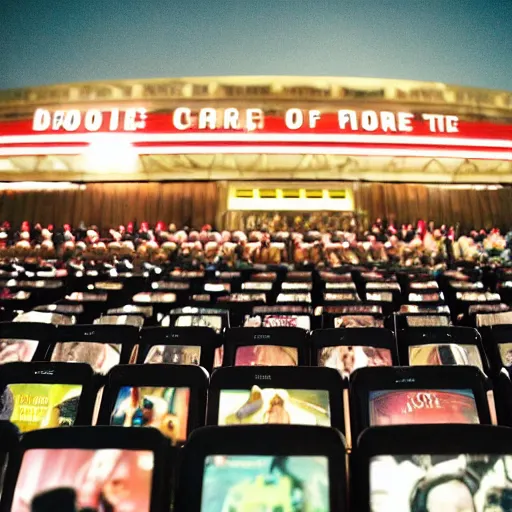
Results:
110 153
20 186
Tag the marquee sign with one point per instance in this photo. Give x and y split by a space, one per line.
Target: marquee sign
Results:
252 131
248 120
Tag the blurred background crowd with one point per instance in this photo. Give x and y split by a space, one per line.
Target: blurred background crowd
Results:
188 248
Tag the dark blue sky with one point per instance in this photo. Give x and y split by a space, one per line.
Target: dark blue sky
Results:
467 42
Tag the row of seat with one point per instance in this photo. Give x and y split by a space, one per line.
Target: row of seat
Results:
104 346
361 284
357 433
37 395
417 468
247 310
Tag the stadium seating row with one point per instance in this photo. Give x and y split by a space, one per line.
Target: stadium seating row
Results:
303 413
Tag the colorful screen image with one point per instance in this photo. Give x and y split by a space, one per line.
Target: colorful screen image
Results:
294 297
66 309
268 405
380 296
191 274
383 286
134 320
331 277
503 318
373 276
35 406
170 285
425 297
13 350
266 355
341 297
87 297
218 357
346 359
73 479
427 309
299 276
340 286
6 295
478 297
130 309
296 286
301 321
230 275
201 297
245 297
217 287
424 285
351 321
428 321
265 276
506 354
354 309
414 406
44 317
445 483
265 483
257 286
156 297
212 321
465 285
174 354
108 285
450 354
488 308
165 409
100 356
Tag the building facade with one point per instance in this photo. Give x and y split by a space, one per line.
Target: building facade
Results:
265 144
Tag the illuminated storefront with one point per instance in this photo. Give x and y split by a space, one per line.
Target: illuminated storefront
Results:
268 143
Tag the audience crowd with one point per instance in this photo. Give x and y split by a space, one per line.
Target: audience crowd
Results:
424 244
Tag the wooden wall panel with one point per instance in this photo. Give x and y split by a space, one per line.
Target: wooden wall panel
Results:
197 203
410 202
110 204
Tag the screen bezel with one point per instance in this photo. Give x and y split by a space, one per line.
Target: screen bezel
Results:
457 335
127 336
97 438
262 440
77 309
284 314
328 319
401 326
204 337
378 337
293 337
223 314
80 374
283 377
40 332
158 375
365 380
421 439
492 338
